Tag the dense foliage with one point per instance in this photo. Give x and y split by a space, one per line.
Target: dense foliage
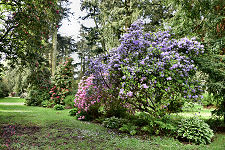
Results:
204 20
16 79
3 89
26 26
62 81
113 122
149 72
39 84
111 20
195 130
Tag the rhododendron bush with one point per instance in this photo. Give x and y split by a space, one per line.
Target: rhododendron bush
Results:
87 99
150 72
62 82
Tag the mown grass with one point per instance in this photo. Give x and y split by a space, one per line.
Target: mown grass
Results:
12 100
197 110
24 127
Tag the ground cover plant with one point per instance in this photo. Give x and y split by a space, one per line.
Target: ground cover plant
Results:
195 130
28 127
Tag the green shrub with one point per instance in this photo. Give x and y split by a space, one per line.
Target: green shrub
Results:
129 128
191 107
39 83
59 107
208 99
73 112
47 103
195 130
116 110
113 122
35 97
155 125
44 103
4 92
69 101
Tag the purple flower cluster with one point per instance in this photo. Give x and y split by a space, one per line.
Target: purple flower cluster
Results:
148 70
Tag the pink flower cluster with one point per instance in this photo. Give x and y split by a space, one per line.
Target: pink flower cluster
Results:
87 95
58 95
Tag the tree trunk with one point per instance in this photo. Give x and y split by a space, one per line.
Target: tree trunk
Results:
81 67
224 109
54 50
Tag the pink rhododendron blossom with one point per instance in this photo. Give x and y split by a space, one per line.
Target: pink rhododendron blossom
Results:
86 95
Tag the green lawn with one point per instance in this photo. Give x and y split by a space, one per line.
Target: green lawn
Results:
197 110
11 100
23 127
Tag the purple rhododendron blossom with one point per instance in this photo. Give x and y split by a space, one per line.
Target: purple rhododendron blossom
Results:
169 78
142 62
147 62
130 94
144 86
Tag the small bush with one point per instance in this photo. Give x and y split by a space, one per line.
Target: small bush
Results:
191 107
195 130
4 92
117 111
155 125
32 98
129 128
59 107
47 103
44 103
208 100
113 122
69 101
73 112
36 96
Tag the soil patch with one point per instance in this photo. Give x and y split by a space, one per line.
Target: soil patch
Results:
7 131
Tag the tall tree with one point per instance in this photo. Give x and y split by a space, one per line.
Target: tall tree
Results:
113 17
66 46
54 51
94 34
205 20
26 27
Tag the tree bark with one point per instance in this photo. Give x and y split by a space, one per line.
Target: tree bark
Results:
54 50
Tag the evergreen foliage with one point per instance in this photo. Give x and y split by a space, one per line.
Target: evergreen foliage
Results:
205 20
26 26
39 84
4 92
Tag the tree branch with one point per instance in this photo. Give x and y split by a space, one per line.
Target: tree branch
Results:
6 33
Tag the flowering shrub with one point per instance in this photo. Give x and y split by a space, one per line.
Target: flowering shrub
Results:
149 71
62 82
87 99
